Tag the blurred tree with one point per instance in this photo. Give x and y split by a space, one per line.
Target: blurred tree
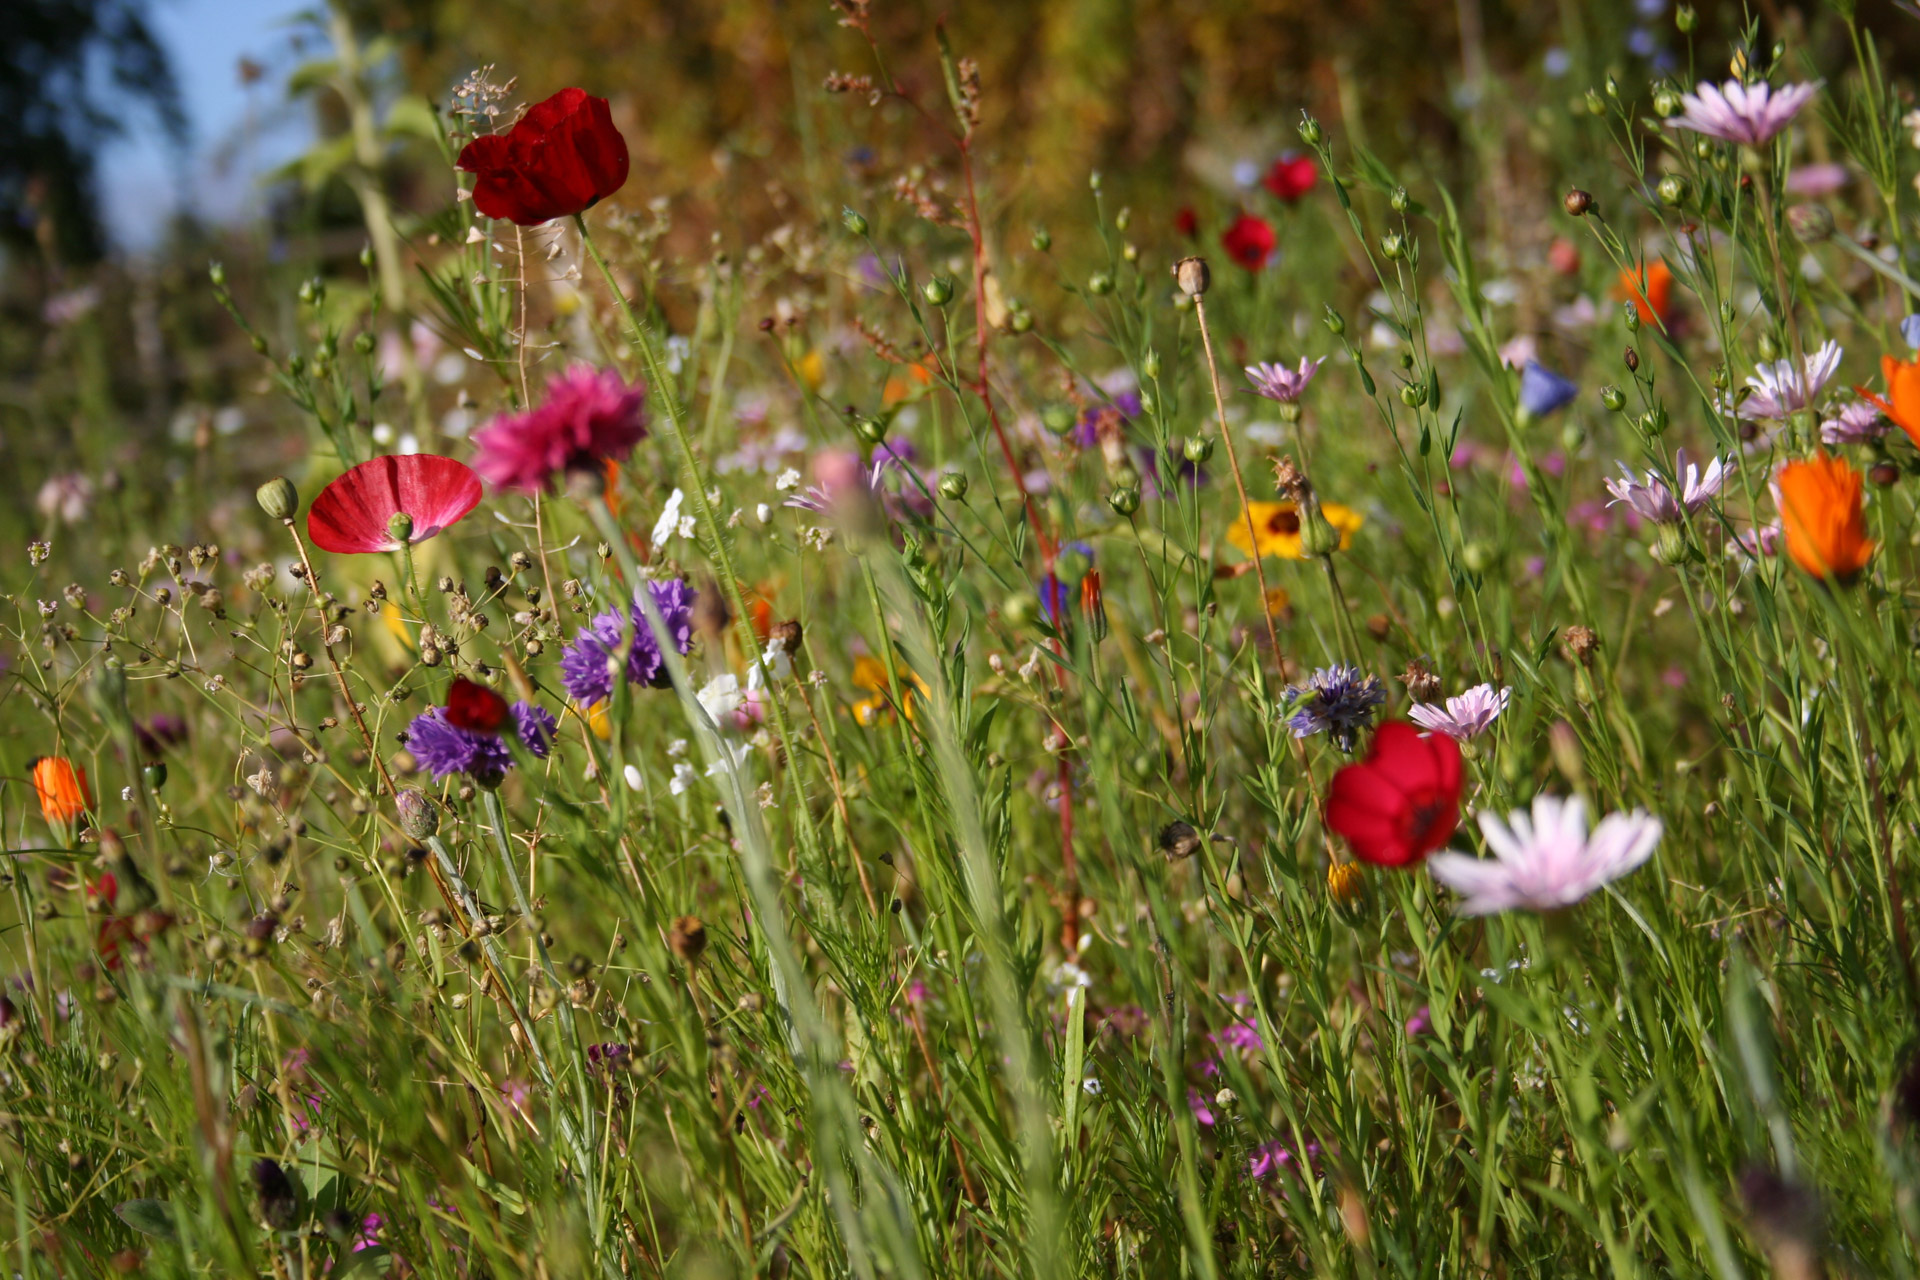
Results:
70 72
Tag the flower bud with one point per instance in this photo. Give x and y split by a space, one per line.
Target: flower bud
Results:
1393 246
1309 130
1414 394
1042 240
1150 365
1124 501
953 486
156 775
1057 418
1633 360
1346 883
687 938
1673 191
1654 421
400 525
1684 18
1613 397
1399 201
1335 322
419 817
1100 284
313 292
278 498
1596 106
1093 606
366 255
1198 449
937 291
1768 347
1670 546
1192 276
868 428
1317 537
1630 316
1811 223
854 221
1666 101
1020 320
217 273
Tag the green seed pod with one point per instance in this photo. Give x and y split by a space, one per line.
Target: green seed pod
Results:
156 775
1673 191
1042 240
1613 397
854 221
868 428
364 343
1150 365
1596 106
1666 101
1479 556
1393 246
1100 285
953 486
937 291
1198 449
1020 320
1335 322
278 498
1414 394
1124 501
400 525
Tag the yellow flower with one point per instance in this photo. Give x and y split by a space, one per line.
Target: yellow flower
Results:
595 714
1346 883
870 673
812 370
1278 524
396 624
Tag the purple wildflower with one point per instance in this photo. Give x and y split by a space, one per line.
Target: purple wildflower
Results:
1857 423
1656 501
1778 389
1337 700
445 748
1241 1034
1109 417
1201 1106
1279 383
1467 716
1420 1023
1748 115
1542 391
583 664
1547 859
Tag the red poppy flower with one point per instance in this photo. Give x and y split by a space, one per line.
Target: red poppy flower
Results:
1291 177
1249 241
474 706
356 513
1403 801
563 157
1187 222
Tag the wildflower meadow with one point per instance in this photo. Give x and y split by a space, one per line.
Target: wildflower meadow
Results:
1349 707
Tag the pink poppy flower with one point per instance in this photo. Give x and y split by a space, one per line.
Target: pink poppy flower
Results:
359 512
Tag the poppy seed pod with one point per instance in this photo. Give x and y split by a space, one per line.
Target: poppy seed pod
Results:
1192 275
278 498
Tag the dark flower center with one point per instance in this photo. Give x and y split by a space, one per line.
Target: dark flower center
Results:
1284 522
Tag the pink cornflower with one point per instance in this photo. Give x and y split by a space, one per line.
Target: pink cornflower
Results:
1748 115
1466 716
1239 1034
1420 1023
1278 382
591 417
1778 388
1546 860
1270 1159
1657 502
1817 180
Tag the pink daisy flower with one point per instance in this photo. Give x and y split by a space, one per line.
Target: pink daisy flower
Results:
1467 716
1749 115
591 416
1546 860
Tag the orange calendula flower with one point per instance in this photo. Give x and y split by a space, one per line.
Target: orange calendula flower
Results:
62 789
870 673
1902 402
1278 525
1650 290
1821 515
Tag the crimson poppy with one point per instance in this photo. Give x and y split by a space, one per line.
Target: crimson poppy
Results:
1249 241
476 707
564 156
359 512
1291 177
1187 222
1403 801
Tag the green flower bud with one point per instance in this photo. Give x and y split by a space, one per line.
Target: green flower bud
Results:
1020 320
1057 418
1685 18
1094 180
1122 220
953 486
1100 285
419 817
1335 322
1630 314
1596 106
1414 394
1666 101
278 498
1393 246
1150 365
1572 435
1768 347
1124 501
937 291
1613 397
364 343
854 221
296 365
1317 537
313 292
1198 449
156 775
1042 241
1673 191
1479 556
1398 201
1654 421
868 428
1309 130
366 255
218 274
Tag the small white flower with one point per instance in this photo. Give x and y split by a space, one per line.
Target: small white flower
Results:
634 782
1090 1086
1546 860
788 479
676 748
669 518
732 755
686 526
763 513
721 696
683 778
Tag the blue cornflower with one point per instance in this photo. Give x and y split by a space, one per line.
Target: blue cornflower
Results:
444 748
1910 330
583 664
1337 700
1542 390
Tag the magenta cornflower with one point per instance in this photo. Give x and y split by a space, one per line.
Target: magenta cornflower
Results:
1546 860
1241 1034
1750 115
1656 501
1278 382
591 417
1465 716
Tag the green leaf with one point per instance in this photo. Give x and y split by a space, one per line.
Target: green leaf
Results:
148 1217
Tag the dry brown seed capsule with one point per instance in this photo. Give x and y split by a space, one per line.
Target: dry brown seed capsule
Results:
1582 644
1179 840
687 938
1578 203
1192 275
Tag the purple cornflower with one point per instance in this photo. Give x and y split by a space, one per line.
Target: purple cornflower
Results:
1466 716
1748 115
1096 418
1657 502
1337 700
1779 390
445 748
1241 1034
1542 390
583 664
1856 423
1278 382
1546 860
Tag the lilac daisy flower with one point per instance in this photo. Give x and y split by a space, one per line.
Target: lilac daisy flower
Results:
1856 423
1337 700
1542 390
1278 382
444 748
1778 389
1655 501
1465 716
1124 408
1734 112
1547 860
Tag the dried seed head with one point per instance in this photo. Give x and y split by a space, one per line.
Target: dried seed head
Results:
1422 684
1192 275
1178 840
1582 644
1578 203
687 938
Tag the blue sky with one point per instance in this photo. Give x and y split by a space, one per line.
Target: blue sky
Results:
238 133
